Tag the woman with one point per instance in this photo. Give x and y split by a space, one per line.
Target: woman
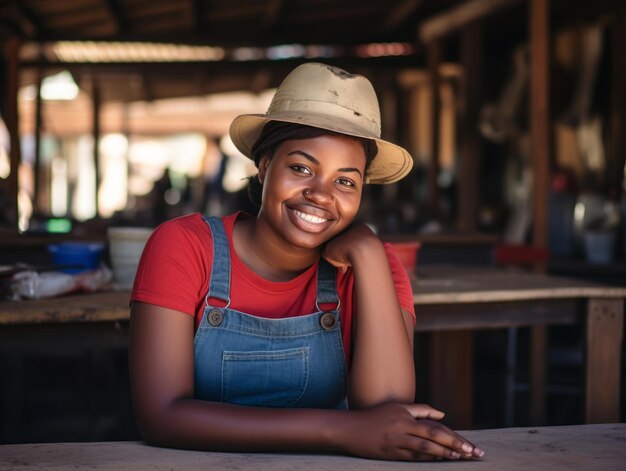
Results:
291 330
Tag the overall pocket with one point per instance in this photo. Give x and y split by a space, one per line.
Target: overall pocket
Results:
265 378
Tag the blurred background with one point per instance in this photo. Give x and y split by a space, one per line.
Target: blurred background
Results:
115 113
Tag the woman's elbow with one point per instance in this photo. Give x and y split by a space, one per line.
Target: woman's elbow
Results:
152 424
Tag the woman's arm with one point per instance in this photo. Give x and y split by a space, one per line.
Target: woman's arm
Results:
382 357
162 376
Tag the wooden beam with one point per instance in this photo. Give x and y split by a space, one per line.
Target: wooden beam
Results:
117 14
197 15
616 155
148 93
433 57
459 16
272 13
605 320
539 111
95 97
451 375
11 119
540 156
37 200
470 152
25 21
399 14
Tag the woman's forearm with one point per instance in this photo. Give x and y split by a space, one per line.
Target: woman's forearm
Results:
382 365
195 424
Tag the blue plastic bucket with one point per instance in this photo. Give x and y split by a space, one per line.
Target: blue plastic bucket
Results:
75 257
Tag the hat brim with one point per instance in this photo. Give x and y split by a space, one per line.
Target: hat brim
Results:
391 163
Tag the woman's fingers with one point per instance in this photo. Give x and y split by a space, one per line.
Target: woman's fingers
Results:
426 449
424 411
441 436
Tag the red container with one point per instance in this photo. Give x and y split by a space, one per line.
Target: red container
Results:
407 253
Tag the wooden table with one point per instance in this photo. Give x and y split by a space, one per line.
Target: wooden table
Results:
105 306
81 333
453 301
450 302
584 447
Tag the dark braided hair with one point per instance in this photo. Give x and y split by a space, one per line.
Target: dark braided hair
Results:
275 133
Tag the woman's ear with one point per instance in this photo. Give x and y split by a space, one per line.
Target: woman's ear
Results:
263 164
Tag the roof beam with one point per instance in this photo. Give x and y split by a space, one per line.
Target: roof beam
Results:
115 9
196 7
146 85
459 16
272 14
21 18
400 14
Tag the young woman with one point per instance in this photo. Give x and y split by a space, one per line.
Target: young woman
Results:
291 330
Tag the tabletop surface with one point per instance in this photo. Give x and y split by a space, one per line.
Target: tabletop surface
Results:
584 447
457 284
431 285
98 306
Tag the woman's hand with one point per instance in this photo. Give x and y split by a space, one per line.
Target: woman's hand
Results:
407 432
338 251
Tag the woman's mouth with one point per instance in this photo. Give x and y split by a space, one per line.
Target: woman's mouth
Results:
309 217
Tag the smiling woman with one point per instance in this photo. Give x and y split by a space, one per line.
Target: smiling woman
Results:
301 319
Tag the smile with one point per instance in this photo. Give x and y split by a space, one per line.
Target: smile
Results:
309 217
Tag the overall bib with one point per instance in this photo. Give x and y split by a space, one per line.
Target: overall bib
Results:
244 359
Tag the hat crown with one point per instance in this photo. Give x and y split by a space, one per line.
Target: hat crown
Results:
331 92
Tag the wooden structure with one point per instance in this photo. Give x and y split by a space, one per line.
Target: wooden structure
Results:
433 28
451 302
544 448
28 28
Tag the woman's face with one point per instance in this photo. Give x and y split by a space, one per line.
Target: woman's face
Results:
312 188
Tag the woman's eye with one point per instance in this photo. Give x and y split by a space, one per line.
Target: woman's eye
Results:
345 182
300 169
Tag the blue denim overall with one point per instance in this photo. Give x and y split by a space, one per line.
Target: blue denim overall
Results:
249 360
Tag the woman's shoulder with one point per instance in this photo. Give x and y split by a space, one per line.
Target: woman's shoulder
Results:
192 224
190 229
183 227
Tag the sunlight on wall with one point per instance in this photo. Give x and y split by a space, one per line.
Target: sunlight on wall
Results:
82 167
113 189
58 187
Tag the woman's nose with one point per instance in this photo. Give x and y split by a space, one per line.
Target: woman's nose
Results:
318 193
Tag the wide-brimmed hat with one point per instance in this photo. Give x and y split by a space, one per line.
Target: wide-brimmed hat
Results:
327 97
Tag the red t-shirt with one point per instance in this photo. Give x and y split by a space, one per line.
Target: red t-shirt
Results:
175 270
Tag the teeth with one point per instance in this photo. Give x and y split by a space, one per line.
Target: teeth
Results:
309 217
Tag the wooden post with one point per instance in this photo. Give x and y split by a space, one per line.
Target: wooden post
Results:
451 376
540 156
10 115
37 199
433 56
540 117
469 162
616 154
605 325
96 140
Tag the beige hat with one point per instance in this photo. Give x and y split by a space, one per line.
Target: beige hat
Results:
327 97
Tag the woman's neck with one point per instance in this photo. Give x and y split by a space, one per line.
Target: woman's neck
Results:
266 254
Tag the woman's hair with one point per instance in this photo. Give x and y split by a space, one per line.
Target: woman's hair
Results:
275 133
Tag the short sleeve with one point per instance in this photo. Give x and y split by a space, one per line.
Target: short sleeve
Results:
401 281
175 265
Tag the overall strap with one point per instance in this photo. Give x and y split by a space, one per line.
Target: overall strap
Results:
219 285
326 284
